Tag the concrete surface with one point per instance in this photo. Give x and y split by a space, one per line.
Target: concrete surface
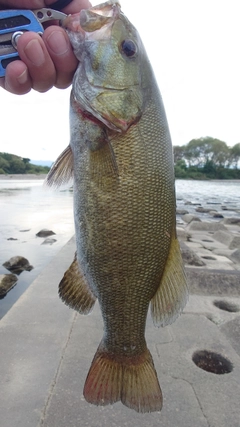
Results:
47 349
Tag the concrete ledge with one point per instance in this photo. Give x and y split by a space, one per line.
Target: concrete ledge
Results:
46 351
213 282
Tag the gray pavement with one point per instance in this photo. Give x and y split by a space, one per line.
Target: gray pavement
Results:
46 351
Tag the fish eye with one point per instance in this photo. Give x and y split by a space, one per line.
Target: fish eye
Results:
129 48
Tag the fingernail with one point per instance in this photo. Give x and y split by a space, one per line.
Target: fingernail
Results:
22 79
58 43
34 53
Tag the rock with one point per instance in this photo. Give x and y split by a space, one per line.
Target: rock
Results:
233 221
192 203
213 203
18 264
7 281
205 226
202 210
189 218
11 238
45 233
229 208
49 241
190 258
181 212
182 234
235 257
24 231
216 214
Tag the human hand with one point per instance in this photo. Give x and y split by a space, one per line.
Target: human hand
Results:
46 61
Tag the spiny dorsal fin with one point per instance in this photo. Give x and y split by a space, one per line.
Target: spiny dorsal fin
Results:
74 290
61 171
172 294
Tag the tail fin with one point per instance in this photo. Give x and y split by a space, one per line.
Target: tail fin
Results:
132 380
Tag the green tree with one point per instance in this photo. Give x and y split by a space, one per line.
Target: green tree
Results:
206 149
178 153
26 160
195 152
4 165
180 169
17 166
234 156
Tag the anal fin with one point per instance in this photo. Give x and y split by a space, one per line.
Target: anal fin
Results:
172 294
74 291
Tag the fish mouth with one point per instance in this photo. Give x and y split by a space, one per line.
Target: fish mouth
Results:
93 19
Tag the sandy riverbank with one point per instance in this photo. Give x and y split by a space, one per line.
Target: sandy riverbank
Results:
23 176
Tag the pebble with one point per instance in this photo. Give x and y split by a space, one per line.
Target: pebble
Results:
45 233
202 210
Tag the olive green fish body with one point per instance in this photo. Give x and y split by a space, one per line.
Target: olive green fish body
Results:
123 220
124 206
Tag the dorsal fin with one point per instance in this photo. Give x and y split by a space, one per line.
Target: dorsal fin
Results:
61 172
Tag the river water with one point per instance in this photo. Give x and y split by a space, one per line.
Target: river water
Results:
26 207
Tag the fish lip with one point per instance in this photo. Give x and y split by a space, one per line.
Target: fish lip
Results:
72 21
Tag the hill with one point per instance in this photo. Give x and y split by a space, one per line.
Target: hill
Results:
12 164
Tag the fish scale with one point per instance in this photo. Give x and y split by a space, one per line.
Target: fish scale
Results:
128 255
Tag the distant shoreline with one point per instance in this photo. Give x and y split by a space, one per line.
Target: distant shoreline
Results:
32 176
23 176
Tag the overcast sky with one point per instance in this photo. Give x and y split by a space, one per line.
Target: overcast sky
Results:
194 47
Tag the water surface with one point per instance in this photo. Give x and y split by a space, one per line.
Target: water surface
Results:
26 207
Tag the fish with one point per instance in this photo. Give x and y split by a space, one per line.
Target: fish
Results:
120 158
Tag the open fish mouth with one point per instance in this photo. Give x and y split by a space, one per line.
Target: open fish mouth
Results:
93 19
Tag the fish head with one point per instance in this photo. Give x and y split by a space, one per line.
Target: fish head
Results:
108 81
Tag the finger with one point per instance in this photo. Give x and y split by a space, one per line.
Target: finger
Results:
25 4
60 50
34 54
17 79
76 5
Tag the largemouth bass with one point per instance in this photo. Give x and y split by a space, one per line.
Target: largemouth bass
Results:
120 156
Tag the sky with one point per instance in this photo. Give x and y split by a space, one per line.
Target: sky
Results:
194 48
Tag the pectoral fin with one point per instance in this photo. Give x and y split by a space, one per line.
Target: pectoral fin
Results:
172 294
103 163
74 290
61 171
